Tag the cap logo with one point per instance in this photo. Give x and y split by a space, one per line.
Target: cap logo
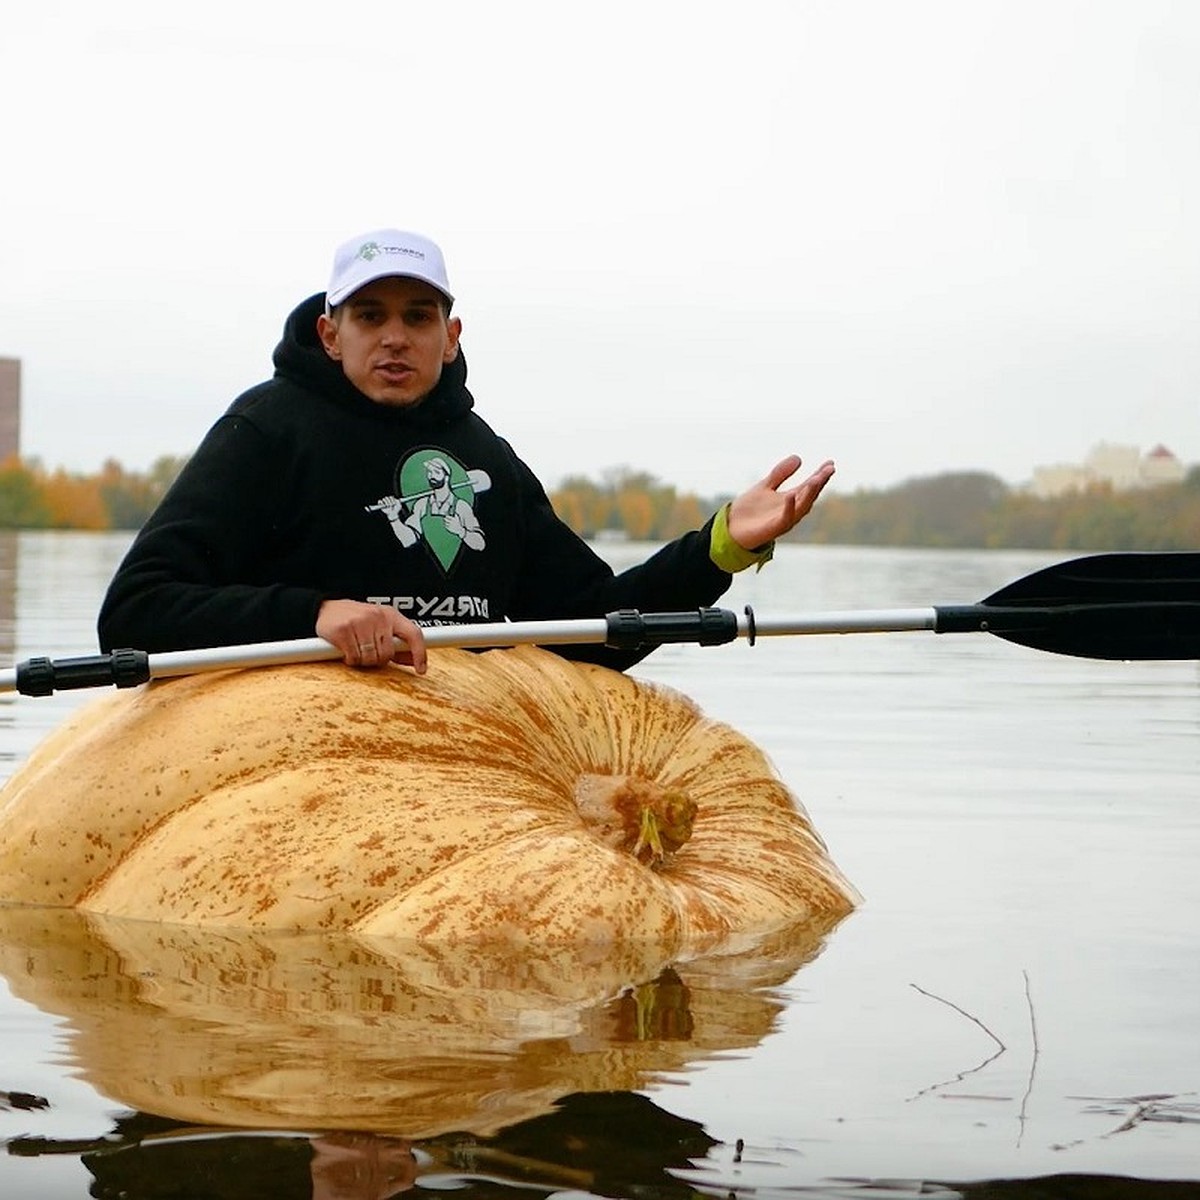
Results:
372 250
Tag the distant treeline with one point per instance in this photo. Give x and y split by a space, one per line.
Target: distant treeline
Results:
32 497
975 509
959 509
631 504
969 509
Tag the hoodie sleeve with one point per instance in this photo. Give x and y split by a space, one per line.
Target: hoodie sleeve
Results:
189 579
563 577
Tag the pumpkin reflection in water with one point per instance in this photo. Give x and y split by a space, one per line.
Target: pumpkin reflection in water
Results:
509 795
270 1030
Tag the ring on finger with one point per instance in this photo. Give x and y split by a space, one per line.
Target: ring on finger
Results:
363 647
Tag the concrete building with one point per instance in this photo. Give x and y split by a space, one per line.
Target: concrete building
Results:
10 408
1161 466
1122 468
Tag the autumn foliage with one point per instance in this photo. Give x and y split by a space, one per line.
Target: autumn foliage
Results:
630 503
32 497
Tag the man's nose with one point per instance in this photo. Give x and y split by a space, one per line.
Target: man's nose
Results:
395 332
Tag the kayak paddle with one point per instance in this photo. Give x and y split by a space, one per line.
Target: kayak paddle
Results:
1108 606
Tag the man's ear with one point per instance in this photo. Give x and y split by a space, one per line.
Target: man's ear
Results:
454 332
327 331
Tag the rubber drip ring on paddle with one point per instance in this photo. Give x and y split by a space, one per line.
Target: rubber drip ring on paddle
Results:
751 629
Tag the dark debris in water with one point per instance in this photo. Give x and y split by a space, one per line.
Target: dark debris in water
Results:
1139 1110
22 1101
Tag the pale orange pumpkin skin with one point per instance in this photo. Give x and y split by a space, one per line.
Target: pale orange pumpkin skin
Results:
446 807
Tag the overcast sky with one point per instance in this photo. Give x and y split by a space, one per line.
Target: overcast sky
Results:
688 237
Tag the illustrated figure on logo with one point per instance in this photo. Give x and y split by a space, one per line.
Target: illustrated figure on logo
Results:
435 506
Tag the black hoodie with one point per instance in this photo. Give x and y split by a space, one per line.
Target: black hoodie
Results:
279 510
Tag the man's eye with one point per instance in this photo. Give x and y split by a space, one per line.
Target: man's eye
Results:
419 316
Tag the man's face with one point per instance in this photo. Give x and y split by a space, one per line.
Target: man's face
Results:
392 338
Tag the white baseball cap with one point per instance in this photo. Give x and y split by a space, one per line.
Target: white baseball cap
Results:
385 252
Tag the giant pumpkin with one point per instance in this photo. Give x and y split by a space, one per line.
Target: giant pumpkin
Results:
509 794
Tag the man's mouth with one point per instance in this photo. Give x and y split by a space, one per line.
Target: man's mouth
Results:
396 372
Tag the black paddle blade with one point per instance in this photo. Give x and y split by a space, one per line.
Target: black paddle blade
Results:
1114 606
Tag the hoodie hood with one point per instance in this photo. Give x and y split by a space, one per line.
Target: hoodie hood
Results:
301 359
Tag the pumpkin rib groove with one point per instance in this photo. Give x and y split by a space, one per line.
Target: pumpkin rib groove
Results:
715 831
470 860
97 882
285 821
179 815
525 895
821 888
569 825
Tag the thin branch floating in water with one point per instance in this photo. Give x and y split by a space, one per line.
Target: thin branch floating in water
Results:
962 1012
1033 1061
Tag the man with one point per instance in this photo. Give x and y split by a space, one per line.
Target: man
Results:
272 530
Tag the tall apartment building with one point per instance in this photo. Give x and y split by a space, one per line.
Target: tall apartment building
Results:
10 442
10 407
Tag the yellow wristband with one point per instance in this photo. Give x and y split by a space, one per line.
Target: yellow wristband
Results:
727 554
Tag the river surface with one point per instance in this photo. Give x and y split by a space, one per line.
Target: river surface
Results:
1018 996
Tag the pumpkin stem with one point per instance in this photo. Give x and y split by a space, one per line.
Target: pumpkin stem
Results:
636 815
648 839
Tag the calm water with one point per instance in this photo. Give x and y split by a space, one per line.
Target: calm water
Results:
1018 997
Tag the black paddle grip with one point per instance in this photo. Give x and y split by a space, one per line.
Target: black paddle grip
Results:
629 629
43 676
